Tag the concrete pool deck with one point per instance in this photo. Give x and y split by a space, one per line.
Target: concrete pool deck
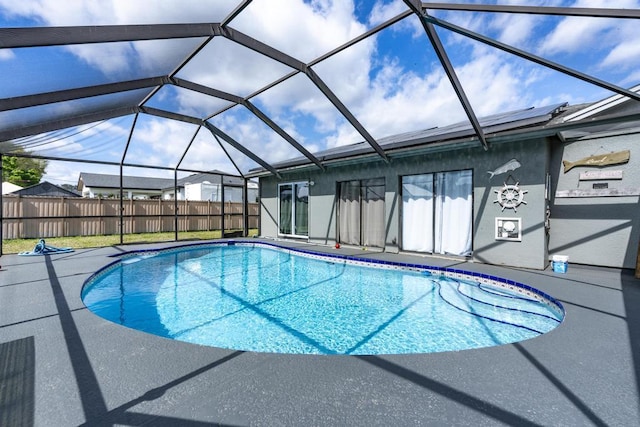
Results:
61 365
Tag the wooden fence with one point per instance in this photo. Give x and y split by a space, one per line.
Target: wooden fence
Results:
40 217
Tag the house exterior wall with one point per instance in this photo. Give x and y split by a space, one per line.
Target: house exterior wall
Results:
93 192
212 193
596 229
533 155
168 194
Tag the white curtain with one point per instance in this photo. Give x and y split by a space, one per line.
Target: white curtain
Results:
301 225
417 213
285 208
362 212
373 230
437 212
454 213
349 212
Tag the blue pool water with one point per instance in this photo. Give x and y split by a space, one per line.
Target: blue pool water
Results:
259 298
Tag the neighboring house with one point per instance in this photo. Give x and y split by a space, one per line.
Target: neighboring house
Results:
45 188
206 186
8 187
134 187
442 193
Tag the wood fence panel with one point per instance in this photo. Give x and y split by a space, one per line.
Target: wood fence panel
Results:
85 217
42 217
11 209
168 220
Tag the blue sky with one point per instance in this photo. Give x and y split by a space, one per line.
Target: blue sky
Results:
391 82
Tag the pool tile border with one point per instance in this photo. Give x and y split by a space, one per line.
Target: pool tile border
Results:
451 273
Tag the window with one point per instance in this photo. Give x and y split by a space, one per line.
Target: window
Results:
294 209
437 212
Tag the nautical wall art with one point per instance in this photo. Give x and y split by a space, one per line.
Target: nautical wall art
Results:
510 196
600 182
511 165
509 229
599 160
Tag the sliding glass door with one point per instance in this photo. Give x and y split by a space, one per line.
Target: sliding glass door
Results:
417 213
294 209
361 212
437 212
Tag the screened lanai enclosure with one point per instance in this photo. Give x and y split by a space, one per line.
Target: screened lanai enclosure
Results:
237 88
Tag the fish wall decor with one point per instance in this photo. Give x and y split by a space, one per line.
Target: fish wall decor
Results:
599 160
511 165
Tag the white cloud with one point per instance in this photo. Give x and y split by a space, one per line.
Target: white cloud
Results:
112 57
115 12
383 11
579 33
625 55
120 57
159 141
232 68
257 137
68 173
515 29
6 54
312 28
402 100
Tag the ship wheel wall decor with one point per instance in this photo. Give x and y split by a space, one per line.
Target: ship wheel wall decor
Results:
510 196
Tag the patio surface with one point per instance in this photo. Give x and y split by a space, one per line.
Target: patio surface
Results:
61 365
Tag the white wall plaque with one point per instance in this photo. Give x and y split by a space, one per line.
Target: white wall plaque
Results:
596 175
509 229
607 192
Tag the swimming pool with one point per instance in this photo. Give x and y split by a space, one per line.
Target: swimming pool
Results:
261 297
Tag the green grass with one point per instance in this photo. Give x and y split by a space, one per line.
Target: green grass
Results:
13 246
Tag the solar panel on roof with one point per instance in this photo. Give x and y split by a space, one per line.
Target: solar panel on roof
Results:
512 119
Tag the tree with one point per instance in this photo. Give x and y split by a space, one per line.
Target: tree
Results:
22 171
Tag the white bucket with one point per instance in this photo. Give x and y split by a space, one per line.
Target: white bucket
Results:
560 263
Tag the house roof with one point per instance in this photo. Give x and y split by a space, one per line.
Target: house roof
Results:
462 131
603 106
98 180
129 182
212 178
612 106
45 188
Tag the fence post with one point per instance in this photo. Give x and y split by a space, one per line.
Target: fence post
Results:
221 207
65 213
245 209
132 221
185 217
175 204
1 208
101 229
21 214
160 214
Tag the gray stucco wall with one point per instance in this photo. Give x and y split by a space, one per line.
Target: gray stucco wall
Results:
533 156
596 230
531 252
